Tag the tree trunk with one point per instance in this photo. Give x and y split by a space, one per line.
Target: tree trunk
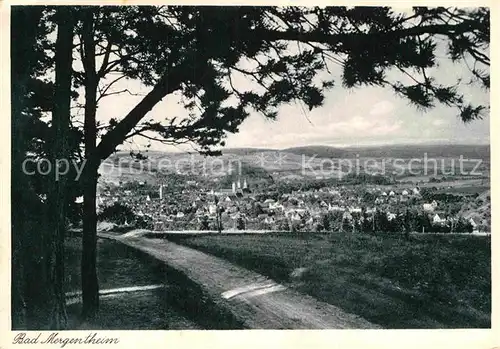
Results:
23 37
90 285
57 194
37 278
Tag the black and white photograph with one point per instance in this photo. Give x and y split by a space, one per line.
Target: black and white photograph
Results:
221 167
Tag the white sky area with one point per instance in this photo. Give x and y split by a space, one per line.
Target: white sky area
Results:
360 116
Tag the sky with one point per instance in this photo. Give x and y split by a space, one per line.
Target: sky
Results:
366 116
361 116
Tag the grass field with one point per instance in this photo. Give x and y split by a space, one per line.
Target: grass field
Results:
428 282
465 190
179 305
118 266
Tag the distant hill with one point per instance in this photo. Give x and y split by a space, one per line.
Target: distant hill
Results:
246 151
323 151
297 163
320 151
396 151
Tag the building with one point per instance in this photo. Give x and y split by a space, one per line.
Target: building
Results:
430 207
334 208
269 220
295 217
347 216
236 188
212 209
276 206
438 220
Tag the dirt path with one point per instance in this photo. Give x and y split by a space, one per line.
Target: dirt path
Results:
256 301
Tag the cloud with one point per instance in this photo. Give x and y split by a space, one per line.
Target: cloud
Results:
355 128
382 108
358 126
438 122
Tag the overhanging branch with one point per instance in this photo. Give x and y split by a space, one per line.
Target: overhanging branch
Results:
169 83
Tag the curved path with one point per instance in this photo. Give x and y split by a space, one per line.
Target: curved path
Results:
258 302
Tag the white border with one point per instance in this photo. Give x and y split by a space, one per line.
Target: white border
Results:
407 339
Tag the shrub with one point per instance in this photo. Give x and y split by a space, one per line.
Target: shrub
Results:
204 225
240 223
117 213
143 222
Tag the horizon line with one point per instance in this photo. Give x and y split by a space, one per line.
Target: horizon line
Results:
337 146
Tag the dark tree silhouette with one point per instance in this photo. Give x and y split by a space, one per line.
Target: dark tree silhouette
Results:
38 256
57 202
29 280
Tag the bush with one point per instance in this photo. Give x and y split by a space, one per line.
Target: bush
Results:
75 213
284 225
204 225
143 222
240 224
117 213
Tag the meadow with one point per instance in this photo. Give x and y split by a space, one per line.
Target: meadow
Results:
426 282
180 304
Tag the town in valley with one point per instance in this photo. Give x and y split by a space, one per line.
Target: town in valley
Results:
276 197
